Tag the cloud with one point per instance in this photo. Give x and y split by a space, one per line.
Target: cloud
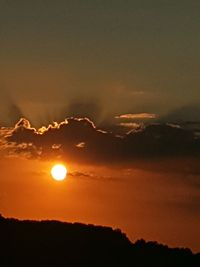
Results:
78 139
131 125
137 116
72 138
91 176
81 145
162 140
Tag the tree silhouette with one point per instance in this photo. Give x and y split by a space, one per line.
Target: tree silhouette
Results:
53 243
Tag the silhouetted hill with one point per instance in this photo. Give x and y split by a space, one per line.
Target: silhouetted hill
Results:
53 243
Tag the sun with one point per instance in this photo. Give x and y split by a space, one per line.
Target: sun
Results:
59 172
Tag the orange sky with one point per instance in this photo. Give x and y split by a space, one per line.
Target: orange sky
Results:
144 204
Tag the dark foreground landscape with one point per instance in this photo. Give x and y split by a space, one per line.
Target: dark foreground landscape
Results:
53 243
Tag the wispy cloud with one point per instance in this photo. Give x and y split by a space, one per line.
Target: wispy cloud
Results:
92 176
136 116
132 125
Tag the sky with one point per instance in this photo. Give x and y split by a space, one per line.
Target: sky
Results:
112 89
143 55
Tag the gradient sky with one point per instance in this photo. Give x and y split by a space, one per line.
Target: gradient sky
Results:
141 54
123 64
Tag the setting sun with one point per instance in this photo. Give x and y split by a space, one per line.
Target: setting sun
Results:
59 172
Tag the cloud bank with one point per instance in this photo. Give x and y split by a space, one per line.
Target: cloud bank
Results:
79 139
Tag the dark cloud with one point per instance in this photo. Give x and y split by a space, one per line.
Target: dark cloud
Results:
64 139
190 113
91 176
134 121
80 140
161 140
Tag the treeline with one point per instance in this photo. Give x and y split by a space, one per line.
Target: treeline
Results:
56 244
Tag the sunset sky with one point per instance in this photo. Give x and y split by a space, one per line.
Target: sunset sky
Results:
110 89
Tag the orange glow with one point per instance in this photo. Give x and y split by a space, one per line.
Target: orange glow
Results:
102 196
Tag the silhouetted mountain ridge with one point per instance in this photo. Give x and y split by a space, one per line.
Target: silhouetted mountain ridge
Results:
54 243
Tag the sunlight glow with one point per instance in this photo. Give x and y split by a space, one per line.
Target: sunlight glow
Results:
59 172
